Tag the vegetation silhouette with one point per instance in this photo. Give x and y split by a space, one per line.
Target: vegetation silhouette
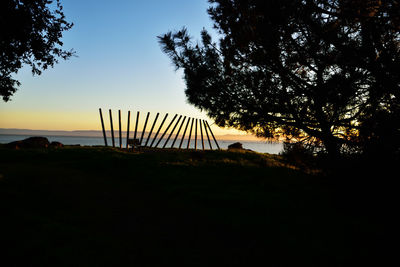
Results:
30 34
97 206
322 72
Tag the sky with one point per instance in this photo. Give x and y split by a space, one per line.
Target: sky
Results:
118 65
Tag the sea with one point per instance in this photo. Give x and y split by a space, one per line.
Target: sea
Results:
257 146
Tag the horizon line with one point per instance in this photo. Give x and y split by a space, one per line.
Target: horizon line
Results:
116 133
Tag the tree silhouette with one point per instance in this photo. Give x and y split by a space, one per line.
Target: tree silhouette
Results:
324 72
30 33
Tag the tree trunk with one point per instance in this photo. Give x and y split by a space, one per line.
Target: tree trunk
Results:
332 146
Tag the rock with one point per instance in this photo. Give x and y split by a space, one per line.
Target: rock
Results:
236 145
56 144
31 142
36 142
14 145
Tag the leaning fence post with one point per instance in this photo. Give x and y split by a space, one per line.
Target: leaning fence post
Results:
208 138
120 131
201 132
159 128
172 131
151 129
137 122
169 125
184 132
179 130
127 128
195 136
144 128
215 140
102 126
112 129
190 133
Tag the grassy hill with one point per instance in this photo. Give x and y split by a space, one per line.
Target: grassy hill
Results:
92 206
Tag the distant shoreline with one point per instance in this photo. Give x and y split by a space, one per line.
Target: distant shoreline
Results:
98 133
260 146
52 135
116 136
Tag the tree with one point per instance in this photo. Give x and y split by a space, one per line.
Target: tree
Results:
30 34
317 71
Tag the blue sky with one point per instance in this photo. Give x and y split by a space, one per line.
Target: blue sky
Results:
119 65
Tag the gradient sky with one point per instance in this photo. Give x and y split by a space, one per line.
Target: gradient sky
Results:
119 65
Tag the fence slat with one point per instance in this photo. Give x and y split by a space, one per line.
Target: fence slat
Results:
201 132
137 122
172 131
112 129
195 136
179 130
169 125
208 138
120 130
159 128
127 128
184 132
151 129
190 133
215 140
103 128
144 128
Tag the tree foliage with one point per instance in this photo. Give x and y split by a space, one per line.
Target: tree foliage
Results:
30 34
324 72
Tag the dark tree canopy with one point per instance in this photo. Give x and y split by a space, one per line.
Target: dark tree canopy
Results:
325 72
30 33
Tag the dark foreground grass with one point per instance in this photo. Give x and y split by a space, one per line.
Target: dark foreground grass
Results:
103 207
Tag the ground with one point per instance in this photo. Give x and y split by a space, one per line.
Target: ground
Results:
93 206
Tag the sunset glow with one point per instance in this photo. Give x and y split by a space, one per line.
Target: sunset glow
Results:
126 71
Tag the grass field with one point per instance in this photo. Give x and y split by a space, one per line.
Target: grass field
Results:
88 206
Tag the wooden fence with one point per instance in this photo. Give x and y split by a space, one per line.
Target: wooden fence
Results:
161 134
